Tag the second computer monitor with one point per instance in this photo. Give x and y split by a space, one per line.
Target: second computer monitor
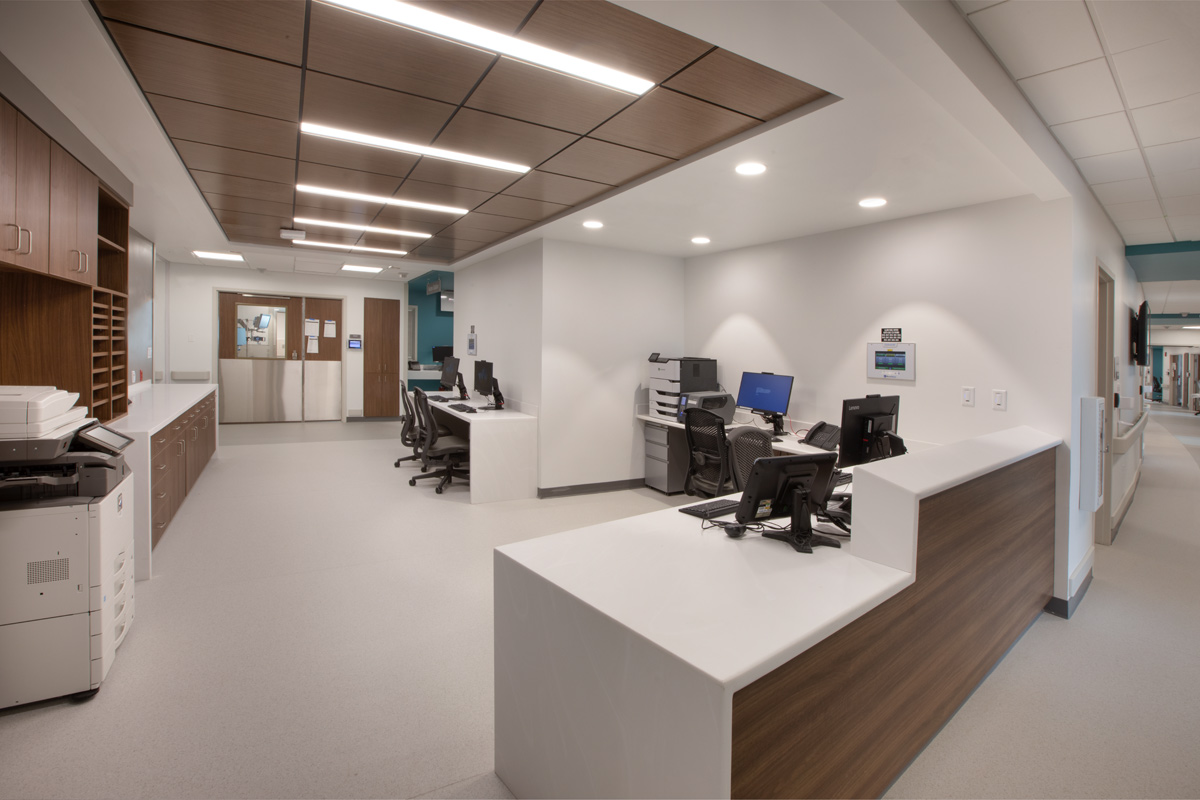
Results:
766 394
483 377
869 430
449 372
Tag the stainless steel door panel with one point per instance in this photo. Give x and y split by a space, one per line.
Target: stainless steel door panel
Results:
322 390
255 390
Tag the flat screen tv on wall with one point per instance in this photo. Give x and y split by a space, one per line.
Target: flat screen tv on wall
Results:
1139 335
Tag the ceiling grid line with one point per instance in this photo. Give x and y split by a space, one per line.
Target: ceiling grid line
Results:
300 110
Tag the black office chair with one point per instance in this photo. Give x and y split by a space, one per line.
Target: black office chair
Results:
709 472
450 453
411 433
746 445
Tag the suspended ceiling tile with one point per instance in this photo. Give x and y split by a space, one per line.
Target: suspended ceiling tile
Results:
1158 73
971 6
436 170
1146 227
501 16
1182 206
1032 38
1124 191
266 221
1110 167
440 194
613 36
492 136
414 219
555 188
1141 238
1075 92
739 84
332 215
519 90
268 28
236 239
1175 157
1164 123
318 202
359 107
453 243
236 231
1128 24
1156 293
472 234
211 158
353 46
228 202
217 183
346 180
535 210
1181 297
1110 133
671 124
221 126
441 253
1128 212
406 243
490 222
318 150
1179 184
594 160
188 70
345 242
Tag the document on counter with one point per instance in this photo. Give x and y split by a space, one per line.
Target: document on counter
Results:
330 329
312 327
314 344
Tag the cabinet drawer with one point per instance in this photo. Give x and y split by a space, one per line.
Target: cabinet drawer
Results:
668 371
659 452
160 464
656 474
656 434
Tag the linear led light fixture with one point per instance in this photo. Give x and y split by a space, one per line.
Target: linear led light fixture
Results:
419 19
218 256
355 247
408 147
367 228
373 198
355 268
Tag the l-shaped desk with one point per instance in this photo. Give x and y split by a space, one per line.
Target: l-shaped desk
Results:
650 657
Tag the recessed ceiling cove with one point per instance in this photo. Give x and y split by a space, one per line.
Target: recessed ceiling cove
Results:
379 134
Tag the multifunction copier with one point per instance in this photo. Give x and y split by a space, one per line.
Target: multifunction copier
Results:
66 546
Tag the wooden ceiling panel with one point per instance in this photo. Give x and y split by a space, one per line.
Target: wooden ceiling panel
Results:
219 202
613 36
445 254
472 234
453 242
239 239
250 188
346 180
316 202
435 170
346 238
519 207
261 232
210 158
672 124
519 90
492 136
384 242
502 16
553 188
353 46
359 107
742 85
332 215
490 222
593 160
194 122
265 221
355 157
440 194
188 70
269 28
417 219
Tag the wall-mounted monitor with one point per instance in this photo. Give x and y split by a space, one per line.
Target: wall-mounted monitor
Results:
894 361
1139 335
262 321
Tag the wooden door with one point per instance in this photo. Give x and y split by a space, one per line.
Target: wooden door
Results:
381 357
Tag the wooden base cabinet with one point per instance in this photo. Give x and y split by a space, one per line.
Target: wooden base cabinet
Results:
178 454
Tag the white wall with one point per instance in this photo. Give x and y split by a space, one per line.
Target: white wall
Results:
162 294
502 298
981 291
603 312
1175 337
192 315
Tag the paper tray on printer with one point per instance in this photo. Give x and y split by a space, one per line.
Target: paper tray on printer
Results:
22 404
63 423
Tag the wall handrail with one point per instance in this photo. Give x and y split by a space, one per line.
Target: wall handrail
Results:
1126 441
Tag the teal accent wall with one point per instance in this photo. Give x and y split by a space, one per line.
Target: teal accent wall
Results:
1156 362
434 326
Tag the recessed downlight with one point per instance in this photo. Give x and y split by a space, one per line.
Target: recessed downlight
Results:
374 198
701 240
367 228
357 268
353 247
218 256
750 168
593 224
409 147
444 27
872 202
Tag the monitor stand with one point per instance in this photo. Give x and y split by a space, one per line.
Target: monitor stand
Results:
801 536
462 389
497 398
776 421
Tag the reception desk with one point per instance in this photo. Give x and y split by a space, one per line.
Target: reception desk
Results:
649 657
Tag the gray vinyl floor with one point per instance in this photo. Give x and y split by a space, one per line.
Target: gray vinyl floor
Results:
316 628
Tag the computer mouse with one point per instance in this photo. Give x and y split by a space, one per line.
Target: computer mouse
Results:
735 531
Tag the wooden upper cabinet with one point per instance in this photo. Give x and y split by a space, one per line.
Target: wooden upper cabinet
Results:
24 191
74 193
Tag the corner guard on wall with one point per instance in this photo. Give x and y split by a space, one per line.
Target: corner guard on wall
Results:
1125 441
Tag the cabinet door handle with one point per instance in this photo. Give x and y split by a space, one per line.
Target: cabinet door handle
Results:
87 263
19 229
182 445
195 433
161 496
161 466
30 250
161 525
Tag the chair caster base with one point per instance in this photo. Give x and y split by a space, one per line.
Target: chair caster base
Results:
412 481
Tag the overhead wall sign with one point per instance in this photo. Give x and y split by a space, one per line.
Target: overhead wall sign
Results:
889 335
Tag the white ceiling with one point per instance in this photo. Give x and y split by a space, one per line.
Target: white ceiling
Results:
887 137
1173 297
1118 82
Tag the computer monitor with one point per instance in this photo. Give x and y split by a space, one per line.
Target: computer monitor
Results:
766 394
869 430
441 352
449 372
262 321
789 486
483 377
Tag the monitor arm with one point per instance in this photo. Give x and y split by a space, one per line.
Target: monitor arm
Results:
776 421
801 536
462 388
497 398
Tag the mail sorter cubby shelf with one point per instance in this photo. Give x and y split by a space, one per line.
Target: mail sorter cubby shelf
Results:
109 398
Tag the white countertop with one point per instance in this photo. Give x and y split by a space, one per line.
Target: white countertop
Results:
483 413
156 405
788 442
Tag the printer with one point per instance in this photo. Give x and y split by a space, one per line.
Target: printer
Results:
719 403
671 378
66 546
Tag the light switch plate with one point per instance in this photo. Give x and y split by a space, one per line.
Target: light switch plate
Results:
999 399
968 396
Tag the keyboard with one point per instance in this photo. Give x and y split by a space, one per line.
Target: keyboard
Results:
462 407
713 508
842 478
438 399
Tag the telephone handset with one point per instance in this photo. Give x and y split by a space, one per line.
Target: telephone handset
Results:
823 435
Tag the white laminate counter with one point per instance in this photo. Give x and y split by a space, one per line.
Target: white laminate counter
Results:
151 408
